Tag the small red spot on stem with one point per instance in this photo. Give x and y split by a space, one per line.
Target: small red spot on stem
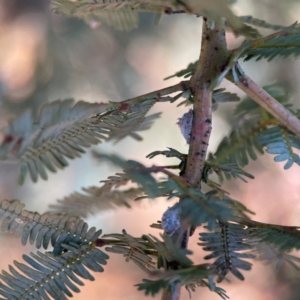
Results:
124 106
8 138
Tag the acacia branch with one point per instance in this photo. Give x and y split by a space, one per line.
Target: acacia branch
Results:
261 97
213 57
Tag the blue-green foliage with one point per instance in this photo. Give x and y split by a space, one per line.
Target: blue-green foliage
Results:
255 131
189 277
284 43
50 275
280 142
224 242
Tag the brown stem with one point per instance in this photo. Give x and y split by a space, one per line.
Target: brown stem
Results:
261 97
213 57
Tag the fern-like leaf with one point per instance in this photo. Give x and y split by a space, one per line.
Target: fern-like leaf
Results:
186 276
124 14
185 73
116 180
52 276
147 250
134 170
41 229
224 242
95 199
239 146
271 254
284 43
284 238
198 208
168 153
261 23
62 130
233 170
168 253
129 120
117 14
133 249
280 141
256 130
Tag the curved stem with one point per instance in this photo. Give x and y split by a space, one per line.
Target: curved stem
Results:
261 97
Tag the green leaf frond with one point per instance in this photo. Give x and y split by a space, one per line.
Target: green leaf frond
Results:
50 277
123 14
218 96
285 238
223 242
171 153
261 23
189 277
197 209
168 153
133 249
270 254
279 141
118 14
131 120
283 43
191 287
41 229
135 171
63 129
168 252
148 251
94 200
185 73
272 243
241 144
256 130
116 180
233 170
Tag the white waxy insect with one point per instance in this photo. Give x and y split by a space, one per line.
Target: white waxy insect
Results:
185 125
170 221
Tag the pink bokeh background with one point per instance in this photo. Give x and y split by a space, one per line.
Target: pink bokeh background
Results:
101 65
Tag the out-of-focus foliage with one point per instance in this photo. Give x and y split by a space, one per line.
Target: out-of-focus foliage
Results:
123 15
283 43
61 129
44 138
256 129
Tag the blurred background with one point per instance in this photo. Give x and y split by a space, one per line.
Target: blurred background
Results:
45 57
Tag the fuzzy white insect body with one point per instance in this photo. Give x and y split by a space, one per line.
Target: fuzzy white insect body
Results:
170 221
185 124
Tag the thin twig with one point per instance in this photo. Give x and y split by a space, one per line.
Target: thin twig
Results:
159 95
261 97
